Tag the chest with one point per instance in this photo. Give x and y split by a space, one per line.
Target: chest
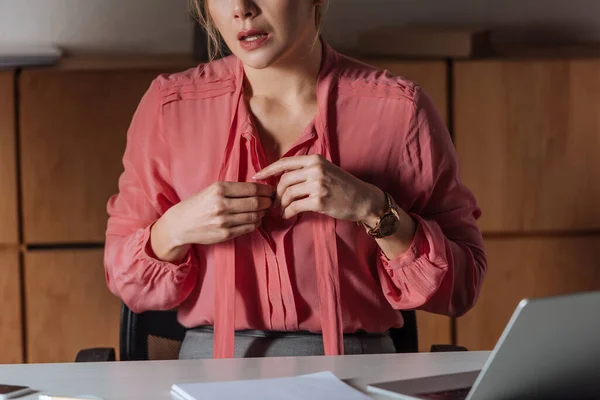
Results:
198 132
280 126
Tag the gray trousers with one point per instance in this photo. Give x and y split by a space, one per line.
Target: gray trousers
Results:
198 344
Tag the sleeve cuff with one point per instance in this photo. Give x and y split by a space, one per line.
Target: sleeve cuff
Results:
418 248
148 255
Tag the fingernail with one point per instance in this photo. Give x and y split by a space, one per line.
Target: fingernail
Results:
256 176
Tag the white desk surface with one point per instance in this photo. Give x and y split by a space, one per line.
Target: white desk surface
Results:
153 379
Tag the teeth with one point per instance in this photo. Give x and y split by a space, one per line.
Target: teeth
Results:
254 37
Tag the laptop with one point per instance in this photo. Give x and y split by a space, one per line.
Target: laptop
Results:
550 349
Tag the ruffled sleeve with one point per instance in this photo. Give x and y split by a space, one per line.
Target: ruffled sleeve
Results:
443 269
133 272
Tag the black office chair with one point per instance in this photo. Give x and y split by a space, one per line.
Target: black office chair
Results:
157 335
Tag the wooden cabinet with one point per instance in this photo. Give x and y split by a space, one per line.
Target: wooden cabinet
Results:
433 77
527 134
527 267
433 329
8 163
528 138
68 305
11 333
73 134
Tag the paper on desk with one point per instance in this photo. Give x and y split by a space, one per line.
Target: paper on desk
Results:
320 386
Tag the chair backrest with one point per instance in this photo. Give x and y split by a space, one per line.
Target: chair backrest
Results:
406 339
152 335
156 335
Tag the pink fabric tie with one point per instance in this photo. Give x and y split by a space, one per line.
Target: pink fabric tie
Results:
324 228
224 301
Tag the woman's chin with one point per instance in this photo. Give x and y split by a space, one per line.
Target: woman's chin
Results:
258 59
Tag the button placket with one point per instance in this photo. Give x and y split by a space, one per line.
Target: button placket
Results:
274 285
279 287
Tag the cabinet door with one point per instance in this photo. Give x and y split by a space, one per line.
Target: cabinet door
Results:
432 76
68 304
11 334
73 134
8 164
528 139
527 267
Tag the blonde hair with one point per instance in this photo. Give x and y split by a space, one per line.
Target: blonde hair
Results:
214 39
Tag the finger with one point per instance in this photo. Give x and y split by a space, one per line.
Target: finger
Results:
289 179
297 192
244 189
288 164
300 206
241 230
249 218
248 204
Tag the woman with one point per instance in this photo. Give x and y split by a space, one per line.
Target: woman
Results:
290 197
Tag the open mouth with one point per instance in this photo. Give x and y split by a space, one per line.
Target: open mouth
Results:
253 38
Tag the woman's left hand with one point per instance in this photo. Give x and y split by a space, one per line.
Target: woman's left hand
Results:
312 183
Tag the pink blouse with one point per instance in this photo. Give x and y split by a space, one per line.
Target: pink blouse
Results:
312 272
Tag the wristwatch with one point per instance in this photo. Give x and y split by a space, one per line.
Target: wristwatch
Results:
388 223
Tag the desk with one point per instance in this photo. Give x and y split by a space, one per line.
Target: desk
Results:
151 380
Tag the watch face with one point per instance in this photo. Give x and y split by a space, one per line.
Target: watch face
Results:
388 225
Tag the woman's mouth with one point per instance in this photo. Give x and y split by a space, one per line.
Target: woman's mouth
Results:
252 39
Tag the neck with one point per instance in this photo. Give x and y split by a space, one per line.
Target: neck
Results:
297 72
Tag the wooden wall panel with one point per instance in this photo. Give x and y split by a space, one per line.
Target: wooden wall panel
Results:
433 329
11 334
527 267
528 139
432 76
73 134
68 304
8 164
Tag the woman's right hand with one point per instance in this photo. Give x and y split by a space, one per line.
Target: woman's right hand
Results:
223 211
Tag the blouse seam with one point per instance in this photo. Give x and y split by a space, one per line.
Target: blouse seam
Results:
162 136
